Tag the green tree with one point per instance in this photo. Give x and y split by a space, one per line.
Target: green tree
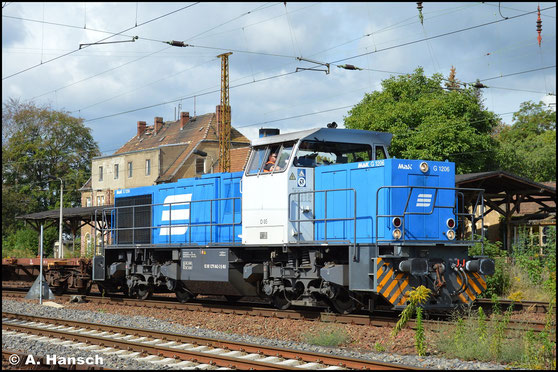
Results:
429 122
39 145
528 147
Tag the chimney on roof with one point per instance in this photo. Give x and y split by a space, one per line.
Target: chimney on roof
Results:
184 119
158 124
141 127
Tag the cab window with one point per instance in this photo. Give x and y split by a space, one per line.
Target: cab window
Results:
270 159
319 153
256 160
380 153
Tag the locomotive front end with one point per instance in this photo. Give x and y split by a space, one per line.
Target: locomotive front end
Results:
424 229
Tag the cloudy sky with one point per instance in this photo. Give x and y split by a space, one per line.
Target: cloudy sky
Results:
115 83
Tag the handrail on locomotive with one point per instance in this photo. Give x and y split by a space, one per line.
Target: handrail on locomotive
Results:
459 191
110 231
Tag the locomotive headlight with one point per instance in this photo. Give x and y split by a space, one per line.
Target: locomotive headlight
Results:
396 221
423 167
396 234
450 234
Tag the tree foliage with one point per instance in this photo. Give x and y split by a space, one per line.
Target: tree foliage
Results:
528 147
40 145
429 122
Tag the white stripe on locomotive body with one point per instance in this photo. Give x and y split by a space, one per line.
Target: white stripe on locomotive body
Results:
424 200
172 213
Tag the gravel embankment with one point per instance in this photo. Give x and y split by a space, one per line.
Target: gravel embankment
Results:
256 330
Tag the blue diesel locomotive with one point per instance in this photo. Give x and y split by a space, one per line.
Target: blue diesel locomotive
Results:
318 216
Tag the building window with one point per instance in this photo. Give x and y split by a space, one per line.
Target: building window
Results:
129 169
100 173
88 201
98 200
200 165
148 167
115 171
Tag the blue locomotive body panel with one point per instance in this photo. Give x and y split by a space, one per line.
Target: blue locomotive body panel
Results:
202 210
383 190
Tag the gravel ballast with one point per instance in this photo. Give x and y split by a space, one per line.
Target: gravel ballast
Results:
122 319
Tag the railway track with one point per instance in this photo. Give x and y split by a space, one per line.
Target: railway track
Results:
486 304
175 350
387 320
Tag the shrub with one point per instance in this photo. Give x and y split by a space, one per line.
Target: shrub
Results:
534 265
474 338
499 283
22 243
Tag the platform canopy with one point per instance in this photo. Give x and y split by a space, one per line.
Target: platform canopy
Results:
506 192
73 218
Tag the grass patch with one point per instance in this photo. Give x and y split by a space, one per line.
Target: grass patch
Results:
475 337
472 337
328 335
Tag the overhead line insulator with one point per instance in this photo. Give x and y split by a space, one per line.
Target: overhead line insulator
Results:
177 43
349 67
539 25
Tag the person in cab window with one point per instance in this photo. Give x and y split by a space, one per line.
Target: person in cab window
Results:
270 165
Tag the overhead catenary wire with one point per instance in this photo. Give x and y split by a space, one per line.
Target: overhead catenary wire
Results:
108 37
188 97
30 160
145 85
150 54
254 81
100 73
239 51
439 35
518 73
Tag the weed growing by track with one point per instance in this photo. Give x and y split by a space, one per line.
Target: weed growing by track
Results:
473 336
329 335
420 341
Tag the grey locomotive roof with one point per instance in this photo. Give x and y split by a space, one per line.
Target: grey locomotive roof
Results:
330 135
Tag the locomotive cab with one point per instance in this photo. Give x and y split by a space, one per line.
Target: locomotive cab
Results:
281 202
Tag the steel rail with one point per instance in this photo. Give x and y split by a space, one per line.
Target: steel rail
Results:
305 356
300 314
193 356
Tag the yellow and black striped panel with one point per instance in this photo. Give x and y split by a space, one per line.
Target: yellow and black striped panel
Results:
476 285
392 286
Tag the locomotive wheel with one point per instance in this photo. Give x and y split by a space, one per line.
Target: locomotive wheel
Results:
183 295
280 301
102 289
233 299
143 292
343 303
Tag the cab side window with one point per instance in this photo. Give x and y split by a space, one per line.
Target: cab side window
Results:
269 159
256 160
380 153
322 153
